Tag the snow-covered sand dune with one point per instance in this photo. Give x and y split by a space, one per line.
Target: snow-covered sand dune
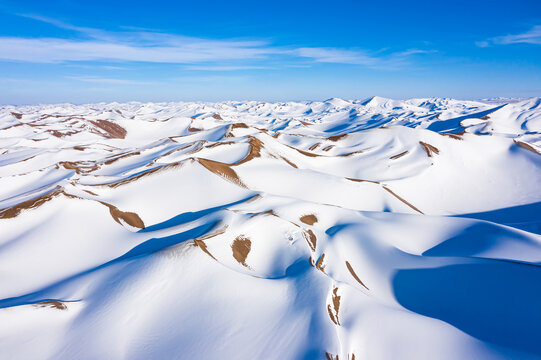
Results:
375 229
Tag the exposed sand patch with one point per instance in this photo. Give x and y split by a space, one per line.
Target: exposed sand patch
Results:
311 239
14 211
526 146
115 158
337 137
113 131
129 218
313 147
429 149
60 134
333 312
223 170
255 151
265 213
319 264
306 153
79 167
309 219
133 178
201 244
394 157
289 162
200 241
55 304
352 153
352 272
401 199
361 180
327 148
239 126
17 116
456 136
217 116
241 248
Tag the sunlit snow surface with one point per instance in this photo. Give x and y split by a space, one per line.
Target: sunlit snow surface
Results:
374 229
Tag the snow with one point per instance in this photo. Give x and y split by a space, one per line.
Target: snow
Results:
374 228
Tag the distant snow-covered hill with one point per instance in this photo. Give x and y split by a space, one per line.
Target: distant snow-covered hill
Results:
371 229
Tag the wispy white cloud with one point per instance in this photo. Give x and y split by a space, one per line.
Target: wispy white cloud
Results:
135 45
379 60
225 67
101 80
50 50
533 36
334 55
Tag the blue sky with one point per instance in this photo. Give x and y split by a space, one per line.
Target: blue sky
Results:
90 51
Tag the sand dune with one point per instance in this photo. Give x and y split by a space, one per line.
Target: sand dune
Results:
374 229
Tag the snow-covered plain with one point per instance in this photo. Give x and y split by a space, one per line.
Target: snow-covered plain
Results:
374 229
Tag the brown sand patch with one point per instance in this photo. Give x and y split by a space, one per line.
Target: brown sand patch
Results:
128 180
129 218
192 129
223 170
486 117
239 126
79 167
265 213
115 158
327 148
114 131
311 239
455 136
220 143
402 199
200 241
15 210
313 147
255 151
289 162
213 234
201 244
330 356
331 315
360 180
337 137
80 148
352 272
526 146
17 116
16 125
60 134
352 153
304 123
217 116
305 152
319 264
429 149
241 248
309 219
335 306
55 304
394 157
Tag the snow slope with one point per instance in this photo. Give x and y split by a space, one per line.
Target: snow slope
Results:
373 229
